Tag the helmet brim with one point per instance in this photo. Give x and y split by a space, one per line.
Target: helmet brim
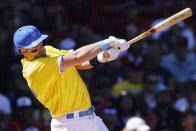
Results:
36 42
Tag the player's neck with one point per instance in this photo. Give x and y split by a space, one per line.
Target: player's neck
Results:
30 58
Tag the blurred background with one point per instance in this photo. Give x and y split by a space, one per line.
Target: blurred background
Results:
155 79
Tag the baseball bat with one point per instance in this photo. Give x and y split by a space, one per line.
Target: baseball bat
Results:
172 20
168 22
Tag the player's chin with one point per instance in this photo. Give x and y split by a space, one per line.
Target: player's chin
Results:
42 53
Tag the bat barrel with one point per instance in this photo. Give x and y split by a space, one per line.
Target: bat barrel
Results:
176 18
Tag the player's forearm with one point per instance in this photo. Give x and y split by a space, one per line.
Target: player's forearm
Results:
84 66
100 59
88 52
81 55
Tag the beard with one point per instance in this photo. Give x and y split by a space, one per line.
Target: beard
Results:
42 53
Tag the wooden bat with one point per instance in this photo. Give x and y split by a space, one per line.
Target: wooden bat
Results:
172 20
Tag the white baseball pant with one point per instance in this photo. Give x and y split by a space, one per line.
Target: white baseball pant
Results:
78 123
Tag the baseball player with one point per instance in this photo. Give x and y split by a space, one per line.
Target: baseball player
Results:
52 76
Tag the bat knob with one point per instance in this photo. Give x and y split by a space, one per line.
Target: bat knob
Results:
106 55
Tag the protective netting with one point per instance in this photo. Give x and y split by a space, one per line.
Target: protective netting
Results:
155 79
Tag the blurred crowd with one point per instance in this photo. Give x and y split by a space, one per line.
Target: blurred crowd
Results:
154 80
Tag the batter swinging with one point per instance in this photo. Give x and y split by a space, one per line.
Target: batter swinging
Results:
52 76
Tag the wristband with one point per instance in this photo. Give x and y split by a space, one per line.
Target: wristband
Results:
94 62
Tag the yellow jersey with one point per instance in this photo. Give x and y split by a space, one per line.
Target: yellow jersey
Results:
60 92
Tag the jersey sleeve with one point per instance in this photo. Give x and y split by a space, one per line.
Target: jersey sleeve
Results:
60 63
60 59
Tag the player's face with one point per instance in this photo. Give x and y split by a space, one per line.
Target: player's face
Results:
35 52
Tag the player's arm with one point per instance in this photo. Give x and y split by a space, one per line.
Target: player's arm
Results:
87 53
81 55
84 66
113 54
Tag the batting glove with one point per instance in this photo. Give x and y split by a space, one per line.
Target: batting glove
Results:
120 44
112 54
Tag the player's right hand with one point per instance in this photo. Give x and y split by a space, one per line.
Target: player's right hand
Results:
108 55
120 44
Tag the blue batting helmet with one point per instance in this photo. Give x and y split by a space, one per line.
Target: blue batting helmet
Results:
28 37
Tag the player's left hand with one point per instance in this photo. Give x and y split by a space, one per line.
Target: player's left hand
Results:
120 44
108 55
